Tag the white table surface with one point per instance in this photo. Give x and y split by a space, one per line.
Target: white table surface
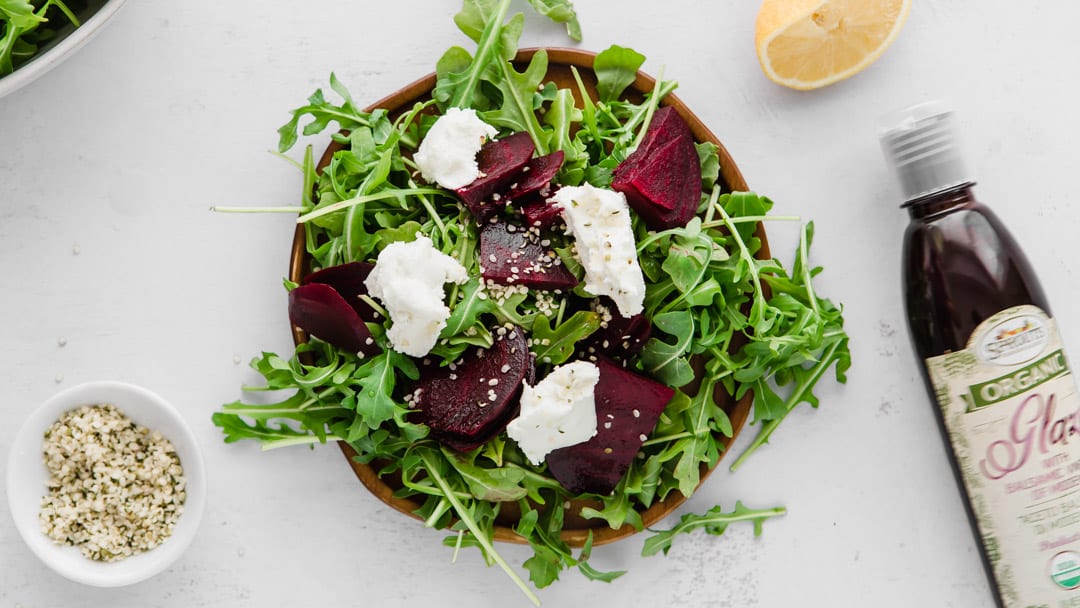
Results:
109 163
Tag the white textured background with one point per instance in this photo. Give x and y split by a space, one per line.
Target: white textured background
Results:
109 163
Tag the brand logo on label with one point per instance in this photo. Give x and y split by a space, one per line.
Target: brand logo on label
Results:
1015 340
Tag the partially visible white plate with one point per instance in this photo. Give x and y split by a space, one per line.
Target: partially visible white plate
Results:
51 57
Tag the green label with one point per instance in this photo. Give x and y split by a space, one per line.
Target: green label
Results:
1016 382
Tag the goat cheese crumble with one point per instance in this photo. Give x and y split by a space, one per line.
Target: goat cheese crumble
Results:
408 279
560 411
447 155
599 220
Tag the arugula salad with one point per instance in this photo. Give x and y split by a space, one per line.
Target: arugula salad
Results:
716 321
24 27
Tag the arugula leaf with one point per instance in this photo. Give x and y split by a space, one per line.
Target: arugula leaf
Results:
588 571
688 257
709 157
483 21
457 89
555 345
23 27
495 484
377 379
322 113
475 16
560 11
616 68
714 522
473 303
268 435
19 13
767 404
666 361
544 565
454 60
618 509
517 112
563 116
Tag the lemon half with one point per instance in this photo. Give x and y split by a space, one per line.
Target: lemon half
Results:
807 44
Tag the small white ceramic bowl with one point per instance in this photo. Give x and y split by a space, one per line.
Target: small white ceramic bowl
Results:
61 50
27 478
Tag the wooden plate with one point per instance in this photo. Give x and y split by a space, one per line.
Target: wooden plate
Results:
560 62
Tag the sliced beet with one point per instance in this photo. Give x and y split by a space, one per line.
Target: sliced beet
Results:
513 255
666 190
619 337
541 214
348 280
662 178
665 126
467 403
627 408
500 162
320 310
535 175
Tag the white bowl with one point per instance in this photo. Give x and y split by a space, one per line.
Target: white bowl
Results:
27 478
47 60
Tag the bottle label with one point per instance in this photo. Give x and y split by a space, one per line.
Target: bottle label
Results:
1012 414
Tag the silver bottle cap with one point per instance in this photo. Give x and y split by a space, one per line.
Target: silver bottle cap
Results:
920 145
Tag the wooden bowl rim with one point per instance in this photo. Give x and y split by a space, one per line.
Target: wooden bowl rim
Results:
731 176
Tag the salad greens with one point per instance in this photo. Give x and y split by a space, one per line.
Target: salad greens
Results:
714 522
725 320
24 27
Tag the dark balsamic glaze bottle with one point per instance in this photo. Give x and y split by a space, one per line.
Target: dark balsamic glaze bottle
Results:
993 364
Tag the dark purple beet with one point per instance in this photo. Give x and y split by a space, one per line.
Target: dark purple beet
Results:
535 175
459 402
666 190
500 161
662 178
627 408
665 126
541 214
618 337
512 255
321 311
348 280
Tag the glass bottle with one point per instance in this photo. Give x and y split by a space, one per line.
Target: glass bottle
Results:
994 365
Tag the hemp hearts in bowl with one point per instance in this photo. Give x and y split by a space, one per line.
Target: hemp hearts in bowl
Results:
106 483
117 489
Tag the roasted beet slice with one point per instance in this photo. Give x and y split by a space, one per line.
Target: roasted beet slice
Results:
665 190
467 403
541 214
513 255
500 162
321 311
536 175
665 126
618 337
627 408
662 178
348 280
